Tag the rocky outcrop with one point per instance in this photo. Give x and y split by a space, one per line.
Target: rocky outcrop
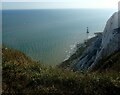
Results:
110 39
89 55
106 43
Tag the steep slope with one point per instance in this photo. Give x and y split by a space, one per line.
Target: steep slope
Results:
75 57
110 39
103 46
14 56
109 63
22 76
106 44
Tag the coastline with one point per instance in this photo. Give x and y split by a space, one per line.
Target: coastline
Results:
78 50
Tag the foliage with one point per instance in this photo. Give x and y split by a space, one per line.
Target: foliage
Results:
21 75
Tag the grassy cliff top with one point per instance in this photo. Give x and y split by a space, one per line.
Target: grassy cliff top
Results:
21 75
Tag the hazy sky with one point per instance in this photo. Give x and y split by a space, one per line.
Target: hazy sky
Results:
53 4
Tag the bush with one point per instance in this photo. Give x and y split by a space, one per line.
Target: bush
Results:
31 78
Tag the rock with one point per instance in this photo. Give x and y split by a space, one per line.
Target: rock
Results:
105 44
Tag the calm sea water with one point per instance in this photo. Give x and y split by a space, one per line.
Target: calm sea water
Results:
50 35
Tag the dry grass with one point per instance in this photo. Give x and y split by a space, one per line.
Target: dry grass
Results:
21 75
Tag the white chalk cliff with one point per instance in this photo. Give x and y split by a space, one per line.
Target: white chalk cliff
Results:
105 44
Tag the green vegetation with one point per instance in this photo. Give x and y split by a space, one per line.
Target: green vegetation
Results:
23 76
111 62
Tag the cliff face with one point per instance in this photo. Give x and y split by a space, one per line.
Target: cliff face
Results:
106 43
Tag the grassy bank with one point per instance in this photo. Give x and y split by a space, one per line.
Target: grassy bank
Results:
21 75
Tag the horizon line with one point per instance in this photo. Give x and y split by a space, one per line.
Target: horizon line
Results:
57 8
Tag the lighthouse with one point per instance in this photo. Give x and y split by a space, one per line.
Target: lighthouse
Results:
87 33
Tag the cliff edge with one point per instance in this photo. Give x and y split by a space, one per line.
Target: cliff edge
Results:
104 45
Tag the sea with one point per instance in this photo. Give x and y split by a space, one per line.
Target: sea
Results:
50 35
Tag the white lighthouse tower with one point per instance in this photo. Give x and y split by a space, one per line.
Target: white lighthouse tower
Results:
87 33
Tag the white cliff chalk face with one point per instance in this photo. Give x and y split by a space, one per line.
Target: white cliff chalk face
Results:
109 32
105 44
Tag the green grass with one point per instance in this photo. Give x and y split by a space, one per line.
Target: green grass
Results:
111 62
23 76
